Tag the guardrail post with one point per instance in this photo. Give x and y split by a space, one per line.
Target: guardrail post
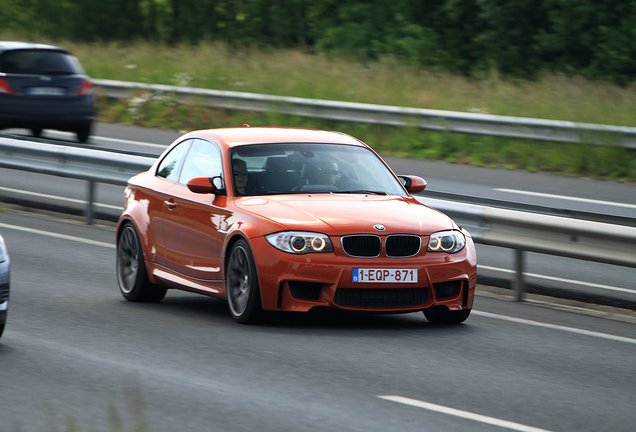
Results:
89 202
518 283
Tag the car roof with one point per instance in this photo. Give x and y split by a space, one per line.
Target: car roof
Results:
14 45
266 135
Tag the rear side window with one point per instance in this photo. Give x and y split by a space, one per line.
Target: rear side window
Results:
39 62
171 164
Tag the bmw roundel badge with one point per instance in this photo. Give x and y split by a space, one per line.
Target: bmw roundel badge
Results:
379 227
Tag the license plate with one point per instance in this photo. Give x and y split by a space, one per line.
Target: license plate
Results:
384 275
46 91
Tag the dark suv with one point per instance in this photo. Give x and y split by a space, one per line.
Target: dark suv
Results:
44 87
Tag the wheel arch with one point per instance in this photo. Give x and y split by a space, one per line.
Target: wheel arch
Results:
232 240
126 219
229 244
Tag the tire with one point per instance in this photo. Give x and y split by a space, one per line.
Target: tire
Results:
83 132
243 291
36 132
442 315
2 329
131 269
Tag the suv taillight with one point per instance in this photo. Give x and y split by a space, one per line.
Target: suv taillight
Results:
5 87
85 88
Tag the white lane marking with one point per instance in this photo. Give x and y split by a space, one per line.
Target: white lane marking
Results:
555 327
569 198
147 144
570 281
56 235
113 139
58 198
474 312
463 414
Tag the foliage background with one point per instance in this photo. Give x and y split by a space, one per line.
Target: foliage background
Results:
554 59
520 38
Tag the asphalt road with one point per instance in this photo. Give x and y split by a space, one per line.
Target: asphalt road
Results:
559 276
76 356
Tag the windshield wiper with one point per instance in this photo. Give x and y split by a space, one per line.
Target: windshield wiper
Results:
362 191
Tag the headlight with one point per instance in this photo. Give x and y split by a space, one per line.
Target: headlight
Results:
2 253
446 241
298 242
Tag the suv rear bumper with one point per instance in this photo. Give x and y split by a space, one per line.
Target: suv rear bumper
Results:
61 114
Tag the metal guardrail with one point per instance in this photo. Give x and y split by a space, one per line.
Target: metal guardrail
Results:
531 208
518 230
542 233
94 166
437 120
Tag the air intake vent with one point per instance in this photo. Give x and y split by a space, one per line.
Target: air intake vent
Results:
362 245
447 289
402 245
305 290
392 298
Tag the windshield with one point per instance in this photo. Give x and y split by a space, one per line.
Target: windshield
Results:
269 169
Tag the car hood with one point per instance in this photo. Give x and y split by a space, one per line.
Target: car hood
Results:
347 214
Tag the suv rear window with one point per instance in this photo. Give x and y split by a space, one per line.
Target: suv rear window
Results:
39 62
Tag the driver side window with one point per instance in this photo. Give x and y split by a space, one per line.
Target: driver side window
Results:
203 160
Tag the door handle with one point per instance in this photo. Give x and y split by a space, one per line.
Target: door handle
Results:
170 204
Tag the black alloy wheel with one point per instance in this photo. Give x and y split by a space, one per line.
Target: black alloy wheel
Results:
243 291
131 269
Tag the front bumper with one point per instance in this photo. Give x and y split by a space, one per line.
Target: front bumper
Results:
301 282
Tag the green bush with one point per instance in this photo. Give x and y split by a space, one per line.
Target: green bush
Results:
520 38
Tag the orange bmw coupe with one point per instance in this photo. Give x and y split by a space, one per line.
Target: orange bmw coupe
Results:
283 219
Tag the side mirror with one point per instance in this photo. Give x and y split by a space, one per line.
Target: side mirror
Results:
207 185
413 184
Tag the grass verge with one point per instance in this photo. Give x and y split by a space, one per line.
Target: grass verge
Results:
387 82
607 162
